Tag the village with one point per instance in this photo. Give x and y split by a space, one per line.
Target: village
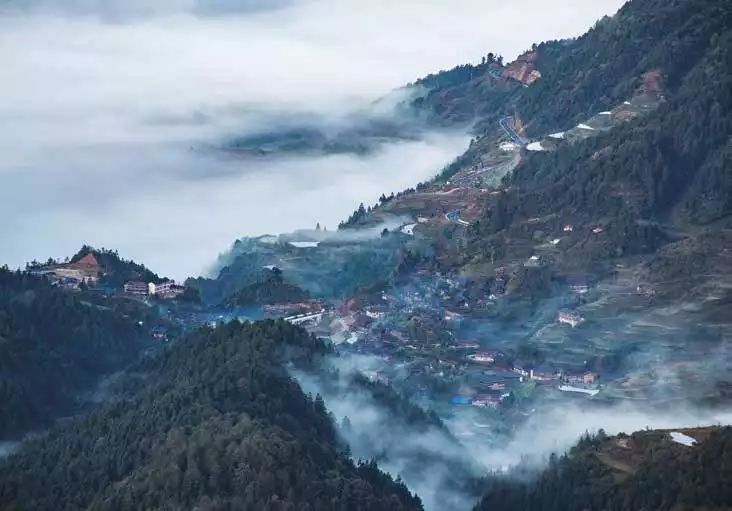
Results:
173 308
497 338
466 342
436 342
417 334
88 273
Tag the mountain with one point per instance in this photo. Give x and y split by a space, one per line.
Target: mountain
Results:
464 93
660 177
55 345
215 423
333 268
595 72
634 126
631 135
672 160
608 63
363 134
688 469
272 288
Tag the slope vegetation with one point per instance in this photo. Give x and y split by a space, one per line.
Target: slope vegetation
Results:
272 288
53 346
216 423
647 470
666 172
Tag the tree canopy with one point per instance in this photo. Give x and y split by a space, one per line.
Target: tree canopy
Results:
215 423
53 346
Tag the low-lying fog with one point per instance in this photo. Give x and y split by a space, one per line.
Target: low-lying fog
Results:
105 107
429 463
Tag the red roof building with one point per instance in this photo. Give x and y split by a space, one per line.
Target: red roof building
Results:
87 261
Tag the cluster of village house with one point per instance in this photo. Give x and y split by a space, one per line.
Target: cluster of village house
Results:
71 275
570 318
88 271
494 392
165 290
350 324
293 309
545 373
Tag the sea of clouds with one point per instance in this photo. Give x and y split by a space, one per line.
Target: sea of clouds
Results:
105 106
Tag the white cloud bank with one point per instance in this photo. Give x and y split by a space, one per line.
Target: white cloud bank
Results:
101 101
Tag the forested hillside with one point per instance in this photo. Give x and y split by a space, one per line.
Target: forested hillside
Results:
605 66
216 423
669 166
53 346
271 288
464 93
332 271
594 72
428 456
644 471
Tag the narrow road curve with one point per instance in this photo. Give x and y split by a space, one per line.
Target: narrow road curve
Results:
503 123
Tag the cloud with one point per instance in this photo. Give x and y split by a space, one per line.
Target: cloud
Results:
126 10
425 456
102 101
176 211
554 428
437 467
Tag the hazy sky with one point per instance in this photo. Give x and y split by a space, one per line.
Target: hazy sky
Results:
102 100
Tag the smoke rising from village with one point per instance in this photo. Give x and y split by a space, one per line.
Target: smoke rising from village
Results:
107 106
